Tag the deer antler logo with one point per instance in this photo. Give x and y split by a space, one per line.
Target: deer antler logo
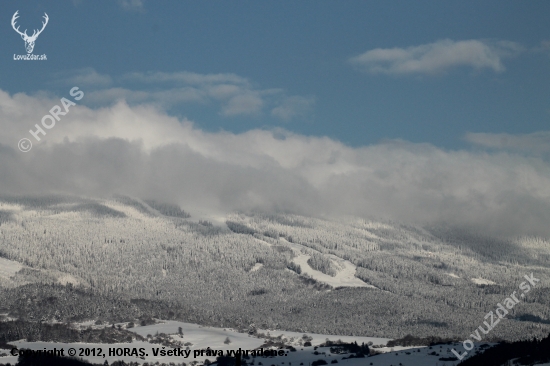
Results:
29 41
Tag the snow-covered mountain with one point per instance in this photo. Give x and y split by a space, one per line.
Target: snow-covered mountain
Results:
66 258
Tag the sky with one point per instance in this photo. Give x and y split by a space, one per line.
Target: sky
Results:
416 111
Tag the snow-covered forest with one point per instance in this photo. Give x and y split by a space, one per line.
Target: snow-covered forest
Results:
386 279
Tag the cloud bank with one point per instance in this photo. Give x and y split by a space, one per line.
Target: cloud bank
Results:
142 151
437 57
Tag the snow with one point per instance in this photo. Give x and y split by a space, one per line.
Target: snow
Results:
202 337
409 357
216 217
128 210
67 278
317 339
9 268
4 206
256 267
344 278
481 281
199 336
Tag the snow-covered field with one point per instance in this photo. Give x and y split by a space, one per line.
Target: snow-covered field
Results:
411 357
317 339
8 269
344 278
199 337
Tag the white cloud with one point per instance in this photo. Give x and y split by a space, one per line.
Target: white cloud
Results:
141 151
437 57
132 5
293 106
543 47
161 98
235 95
537 142
186 77
84 77
247 103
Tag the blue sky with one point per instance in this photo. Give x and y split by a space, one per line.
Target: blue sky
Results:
296 55
417 111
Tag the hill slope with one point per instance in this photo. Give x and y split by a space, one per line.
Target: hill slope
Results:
384 279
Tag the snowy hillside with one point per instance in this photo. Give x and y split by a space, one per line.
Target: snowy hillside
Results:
277 271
